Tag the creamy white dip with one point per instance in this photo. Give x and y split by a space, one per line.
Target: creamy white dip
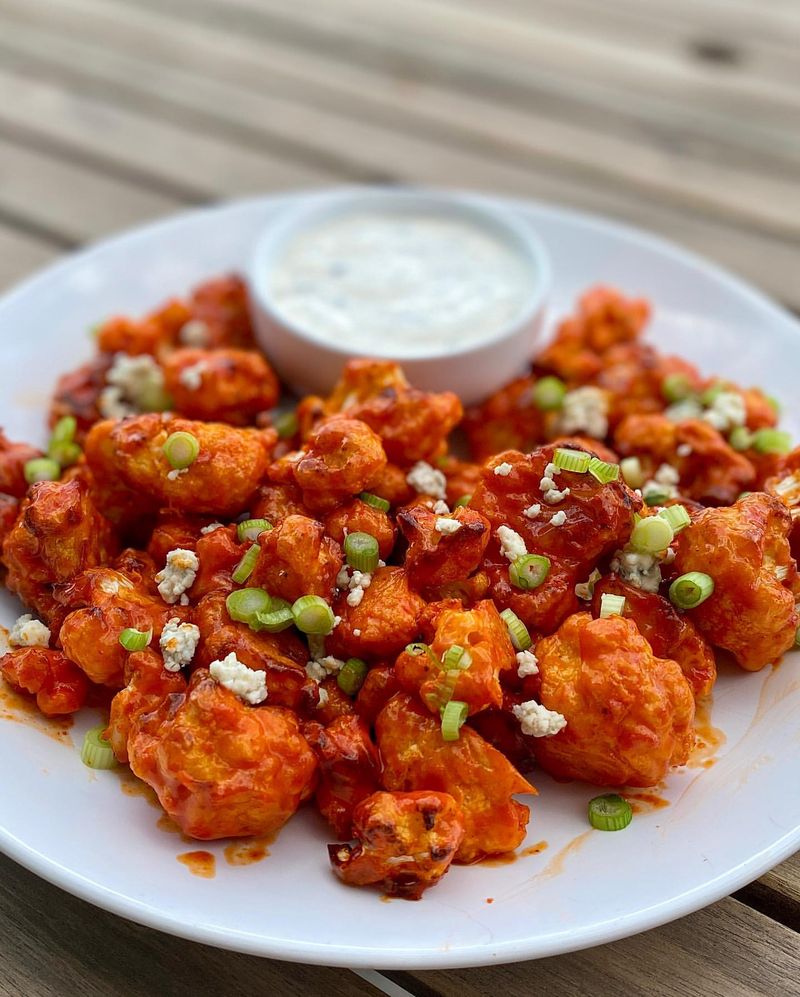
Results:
420 283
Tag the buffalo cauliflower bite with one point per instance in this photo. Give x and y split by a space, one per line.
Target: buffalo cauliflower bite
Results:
629 715
274 502
405 842
508 420
745 549
476 775
227 471
13 458
58 685
296 559
221 768
220 385
442 549
358 516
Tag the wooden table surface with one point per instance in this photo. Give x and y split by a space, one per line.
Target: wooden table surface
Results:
683 117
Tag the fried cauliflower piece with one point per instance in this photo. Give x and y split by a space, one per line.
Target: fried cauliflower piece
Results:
745 549
58 533
784 484
358 516
13 458
629 714
274 502
349 769
228 469
383 622
442 548
378 688
476 775
152 334
508 420
405 842
59 686
77 393
483 636
671 634
228 385
297 559
634 374
221 768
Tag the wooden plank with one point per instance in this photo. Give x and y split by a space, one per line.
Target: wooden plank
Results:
54 945
726 950
777 894
21 253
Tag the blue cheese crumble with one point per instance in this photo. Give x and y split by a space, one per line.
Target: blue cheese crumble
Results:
246 683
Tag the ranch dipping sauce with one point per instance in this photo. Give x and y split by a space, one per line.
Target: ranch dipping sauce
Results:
422 283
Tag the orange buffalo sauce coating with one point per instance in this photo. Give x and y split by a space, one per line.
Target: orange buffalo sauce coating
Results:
220 385
60 688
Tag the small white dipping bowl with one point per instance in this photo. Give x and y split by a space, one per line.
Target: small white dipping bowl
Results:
310 359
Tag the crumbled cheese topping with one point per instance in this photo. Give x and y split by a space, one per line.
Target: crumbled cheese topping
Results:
28 632
527 664
664 481
176 472
537 721
211 527
726 411
195 332
319 669
558 518
532 511
178 575
440 508
178 643
246 683
585 410
585 590
354 582
323 698
643 571
684 450
356 633
447 526
503 470
688 408
549 488
131 383
512 545
427 480
192 377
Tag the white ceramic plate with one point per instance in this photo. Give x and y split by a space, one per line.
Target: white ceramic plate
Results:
725 825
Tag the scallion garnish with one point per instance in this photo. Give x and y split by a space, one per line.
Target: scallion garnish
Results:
42 469
251 529
245 567
677 517
375 501
135 640
64 430
361 551
603 470
776 441
454 714
529 571
462 502
655 496
572 460
691 589
245 604
277 618
711 393
351 676
417 649
797 637
62 447
96 752
181 450
456 657
609 812
312 615
741 438
632 472
549 393
611 605
676 387
286 425
651 535
517 631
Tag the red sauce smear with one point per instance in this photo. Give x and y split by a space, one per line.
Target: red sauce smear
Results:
508 857
131 786
645 803
709 738
248 851
199 863
490 900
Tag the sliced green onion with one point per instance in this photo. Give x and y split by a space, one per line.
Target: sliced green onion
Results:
361 551
651 535
773 403
741 438
64 430
463 501
245 604
711 393
676 387
135 640
656 496
548 393
797 637
632 472
517 630
417 649
609 813
456 657
603 470
42 469
691 589
772 441
375 501
689 408
181 450
96 752
286 425
453 716
152 397
278 618
571 460
677 517
313 615
611 605
65 454
251 529
529 571
351 676
244 568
